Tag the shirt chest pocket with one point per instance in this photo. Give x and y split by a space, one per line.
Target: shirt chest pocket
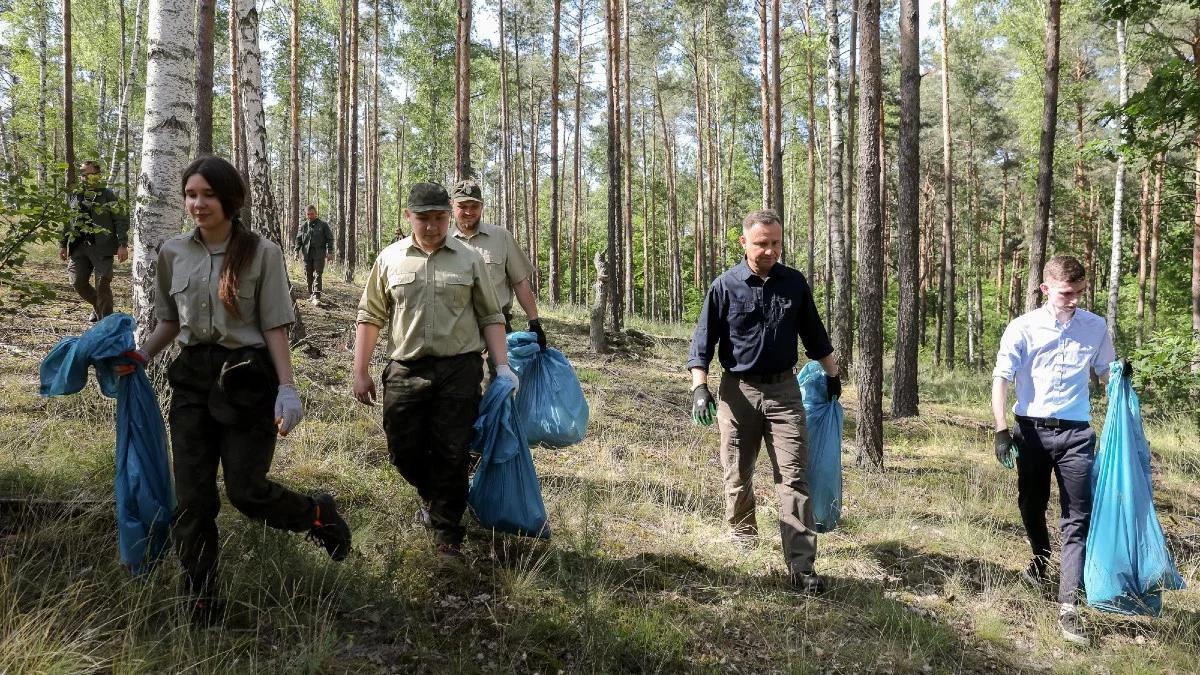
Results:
247 300
403 288
454 289
185 307
745 318
1077 354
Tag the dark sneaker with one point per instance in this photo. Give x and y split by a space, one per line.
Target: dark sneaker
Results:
808 582
328 528
207 611
449 552
94 317
1072 628
1036 575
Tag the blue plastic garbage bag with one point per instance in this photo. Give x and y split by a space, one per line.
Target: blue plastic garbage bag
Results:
824 418
1127 566
505 494
550 402
145 496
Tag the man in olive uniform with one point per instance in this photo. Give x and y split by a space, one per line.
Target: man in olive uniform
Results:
507 266
432 295
314 243
92 251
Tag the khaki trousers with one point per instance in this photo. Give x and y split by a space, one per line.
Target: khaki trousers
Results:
749 414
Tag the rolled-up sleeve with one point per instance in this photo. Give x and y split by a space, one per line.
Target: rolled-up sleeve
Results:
483 295
274 291
164 304
375 305
810 327
708 330
1011 353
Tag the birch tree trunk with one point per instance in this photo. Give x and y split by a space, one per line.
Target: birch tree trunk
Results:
904 381
264 218
1114 262
166 137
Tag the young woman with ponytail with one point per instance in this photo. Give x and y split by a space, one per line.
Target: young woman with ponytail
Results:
222 292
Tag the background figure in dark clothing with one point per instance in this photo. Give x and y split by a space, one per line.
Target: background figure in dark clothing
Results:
91 252
314 243
753 314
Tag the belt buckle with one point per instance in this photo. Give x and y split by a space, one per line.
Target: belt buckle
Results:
1050 422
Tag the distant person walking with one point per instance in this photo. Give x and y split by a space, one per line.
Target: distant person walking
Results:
90 250
314 243
433 297
222 292
752 316
1048 354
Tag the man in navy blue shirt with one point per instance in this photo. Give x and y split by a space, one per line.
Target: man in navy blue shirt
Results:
753 314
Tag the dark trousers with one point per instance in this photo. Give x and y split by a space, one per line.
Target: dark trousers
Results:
429 409
83 263
314 270
749 414
1069 454
200 442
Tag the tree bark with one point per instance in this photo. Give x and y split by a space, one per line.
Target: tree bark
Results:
293 209
352 148
812 146
555 214
764 89
205 18
596 326
375 134
674 263
1045 176
1155 242
628 293
166 137
840 262
506 193
129 80
576 180
776 114
904 380
1142 246
462 94
43 147
615 209
263 215
948 293
1114 263
68 95
869 360
342 108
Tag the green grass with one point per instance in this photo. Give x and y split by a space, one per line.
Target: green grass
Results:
637 578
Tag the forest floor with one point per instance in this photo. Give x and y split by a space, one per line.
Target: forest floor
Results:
638 577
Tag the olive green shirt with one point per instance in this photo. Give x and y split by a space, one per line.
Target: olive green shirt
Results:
188 281
506 264
430 304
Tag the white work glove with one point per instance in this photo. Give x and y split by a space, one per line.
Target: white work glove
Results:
288 409
507 373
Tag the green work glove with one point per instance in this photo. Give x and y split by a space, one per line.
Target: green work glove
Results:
1006 449
704 408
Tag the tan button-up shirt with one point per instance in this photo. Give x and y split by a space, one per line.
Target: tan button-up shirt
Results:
188 281
430 304
506 264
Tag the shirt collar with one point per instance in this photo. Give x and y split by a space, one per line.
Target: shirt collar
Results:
743 272
450 244
458 234
220 248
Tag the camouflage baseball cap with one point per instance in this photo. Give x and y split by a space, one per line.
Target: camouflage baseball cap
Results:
428 197
466 190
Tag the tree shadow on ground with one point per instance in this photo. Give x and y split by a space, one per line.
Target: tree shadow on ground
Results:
645 491
927 572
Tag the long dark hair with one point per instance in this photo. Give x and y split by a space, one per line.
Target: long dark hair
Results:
227 185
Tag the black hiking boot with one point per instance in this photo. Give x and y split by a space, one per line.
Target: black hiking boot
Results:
1036 575
809 583
329 529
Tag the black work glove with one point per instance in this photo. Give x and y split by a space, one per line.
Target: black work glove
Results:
1126 368
1006 449
833 386
704 408
535 326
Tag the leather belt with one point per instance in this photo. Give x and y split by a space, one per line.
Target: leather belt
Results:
763 378
1052 422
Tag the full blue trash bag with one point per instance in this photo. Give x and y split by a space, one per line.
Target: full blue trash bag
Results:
145 496
505 494
1127 566
550 402
824 418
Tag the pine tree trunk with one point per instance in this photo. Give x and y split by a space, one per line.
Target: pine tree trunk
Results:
1143 245
1155 242
292 217
628 293
1045 175
506 192
674 262
1114 263
576 180
1002 250
947 294
43 147
254 122
812 146
904 380
840 272
68 94
1081 188
615 208
374 135
205 18
869 360
166 137
462 94
554 263
352 49
342 108
776 115
764 96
